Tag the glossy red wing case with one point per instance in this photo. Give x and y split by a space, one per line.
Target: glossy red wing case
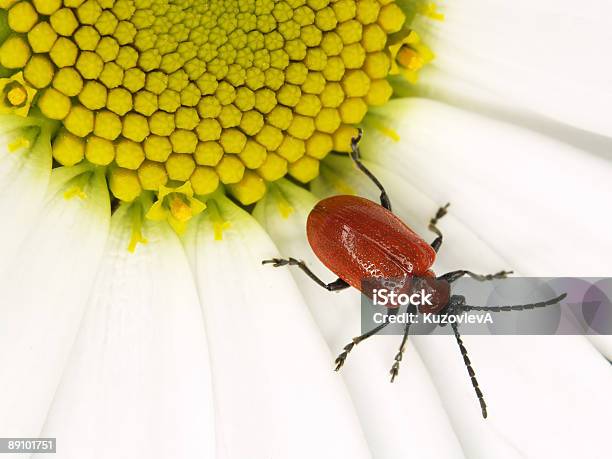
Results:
358 239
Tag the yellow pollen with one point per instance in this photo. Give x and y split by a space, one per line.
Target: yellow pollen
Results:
430 9
17 96
17 144
180 209
408 55
136 236
174 97
219 224
75 192
176 205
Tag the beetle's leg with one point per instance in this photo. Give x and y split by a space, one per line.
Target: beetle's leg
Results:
398 357
470 370
349 347
338 284
356 157
454 275
432 226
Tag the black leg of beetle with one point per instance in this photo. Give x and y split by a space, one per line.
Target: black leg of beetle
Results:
432 226
356 157
398 357
338 284
349 347
454 275
470 370
516 307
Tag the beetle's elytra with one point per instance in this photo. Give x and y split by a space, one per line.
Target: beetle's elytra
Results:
359 239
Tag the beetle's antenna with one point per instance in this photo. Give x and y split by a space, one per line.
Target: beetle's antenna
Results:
517 307
470 370
356 157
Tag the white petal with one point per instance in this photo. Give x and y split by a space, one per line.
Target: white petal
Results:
545 56
515 372
538 202
276 393
416 209
44 291
534 394
547 396
138 380
378 403
509 368
25 167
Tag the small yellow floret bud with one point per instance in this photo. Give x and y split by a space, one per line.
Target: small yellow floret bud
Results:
47 7
14 52
291 149
208 153
251 188
107 125
64 22
80 121
41 37
99 151
319 145
342 138
180 166
230 169
204 180
68 149
38 71
89 65
391 18
129 154
68 81
157 148
161 123
152 175
54 105
22 17
273 168
124 184
304 169
64 52
93 95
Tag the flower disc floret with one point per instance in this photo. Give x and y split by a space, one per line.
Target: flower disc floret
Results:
197 93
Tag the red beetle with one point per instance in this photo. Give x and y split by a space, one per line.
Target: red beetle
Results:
359 239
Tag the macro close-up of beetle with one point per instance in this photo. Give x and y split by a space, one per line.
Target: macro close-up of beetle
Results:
358 239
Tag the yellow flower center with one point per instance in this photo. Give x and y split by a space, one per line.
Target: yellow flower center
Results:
165 93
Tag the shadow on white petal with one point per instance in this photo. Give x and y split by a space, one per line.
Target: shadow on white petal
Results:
438 85
502 371
44 291
276 393
547 396
530 53
538 202
138 380
412 399
25 167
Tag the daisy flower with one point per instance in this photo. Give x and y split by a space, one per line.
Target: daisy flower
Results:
154 152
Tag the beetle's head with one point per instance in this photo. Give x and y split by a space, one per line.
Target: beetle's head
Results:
428 293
